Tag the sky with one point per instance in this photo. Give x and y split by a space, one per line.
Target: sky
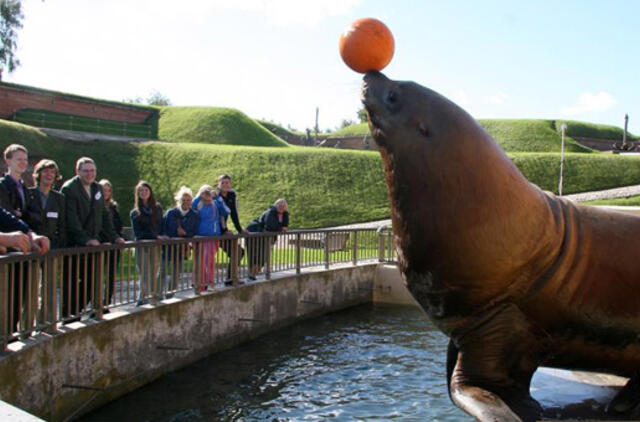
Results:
278 59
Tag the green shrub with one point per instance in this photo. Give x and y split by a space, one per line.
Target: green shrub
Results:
213 125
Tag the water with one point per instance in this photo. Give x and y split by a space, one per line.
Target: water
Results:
366 363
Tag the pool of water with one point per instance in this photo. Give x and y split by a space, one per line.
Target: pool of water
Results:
366 363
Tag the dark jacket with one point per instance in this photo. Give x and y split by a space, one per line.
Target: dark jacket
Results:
146 222
114 213
231 200
87 216
188 222
268 221
11 223
10 197
50 220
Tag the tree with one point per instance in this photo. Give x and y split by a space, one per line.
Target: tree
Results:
346 122
362 115
158 99
155 98
10 22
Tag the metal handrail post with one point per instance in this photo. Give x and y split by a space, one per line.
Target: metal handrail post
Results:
4 306
99 296
381 247
298 254
267 269
326 250
355 247
49 283
235 260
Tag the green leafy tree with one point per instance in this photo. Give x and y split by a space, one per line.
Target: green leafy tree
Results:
158 99
362 115
10 22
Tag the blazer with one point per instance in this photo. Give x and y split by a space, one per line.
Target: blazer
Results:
10 196
49 221
87 215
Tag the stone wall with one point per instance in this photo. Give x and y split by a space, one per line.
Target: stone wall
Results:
86 365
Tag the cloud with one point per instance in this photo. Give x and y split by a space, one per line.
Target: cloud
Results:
498 98
461 97
290 12
590 102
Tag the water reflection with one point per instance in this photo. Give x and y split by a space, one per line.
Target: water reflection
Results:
366 363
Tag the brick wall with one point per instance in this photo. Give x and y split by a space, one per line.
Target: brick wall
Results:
15 97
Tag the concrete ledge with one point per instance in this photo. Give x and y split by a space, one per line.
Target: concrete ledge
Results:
13 414
390 287
88 365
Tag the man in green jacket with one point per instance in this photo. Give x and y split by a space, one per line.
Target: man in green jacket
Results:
88 224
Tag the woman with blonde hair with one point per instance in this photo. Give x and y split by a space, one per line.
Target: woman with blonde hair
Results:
179 222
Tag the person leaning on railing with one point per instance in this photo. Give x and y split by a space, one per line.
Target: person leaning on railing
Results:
15 234
274 219
146 220
88 224
181 221
230 198
113 259
212 210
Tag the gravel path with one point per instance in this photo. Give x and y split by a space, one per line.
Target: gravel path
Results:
605 194
577 197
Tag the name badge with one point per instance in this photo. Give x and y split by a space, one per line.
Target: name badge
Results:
52 214
98 195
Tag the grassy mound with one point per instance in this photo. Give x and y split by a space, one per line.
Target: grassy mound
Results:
512 135
278 130
361 129
582 172
213 125
323 186
592 130
529 135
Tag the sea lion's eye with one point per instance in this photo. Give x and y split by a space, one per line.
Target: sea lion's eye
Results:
423 129
392 97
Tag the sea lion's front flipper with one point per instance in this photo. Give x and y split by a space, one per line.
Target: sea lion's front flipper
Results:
497 356
627 401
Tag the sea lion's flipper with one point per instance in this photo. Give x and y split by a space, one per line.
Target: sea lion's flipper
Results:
497 357
627 401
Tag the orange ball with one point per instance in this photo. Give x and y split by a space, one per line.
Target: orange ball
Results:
366 45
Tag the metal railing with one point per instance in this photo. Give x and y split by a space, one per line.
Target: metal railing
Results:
83 124
66 285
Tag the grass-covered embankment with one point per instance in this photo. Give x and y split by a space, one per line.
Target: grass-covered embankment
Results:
213 125
631 201
512 135
593 130
324 186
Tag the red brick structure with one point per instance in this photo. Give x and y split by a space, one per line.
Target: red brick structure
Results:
14 97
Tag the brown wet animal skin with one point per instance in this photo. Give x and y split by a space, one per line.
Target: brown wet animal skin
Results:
515 276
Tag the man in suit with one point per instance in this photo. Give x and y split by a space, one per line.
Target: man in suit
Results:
13 192
46 206
88 224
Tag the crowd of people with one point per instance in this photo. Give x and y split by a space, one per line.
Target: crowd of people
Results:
83 213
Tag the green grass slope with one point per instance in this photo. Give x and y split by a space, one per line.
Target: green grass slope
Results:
324 186
279 130
213 125
512 135
592 130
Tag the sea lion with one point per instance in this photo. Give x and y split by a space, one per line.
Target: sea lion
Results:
516 277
